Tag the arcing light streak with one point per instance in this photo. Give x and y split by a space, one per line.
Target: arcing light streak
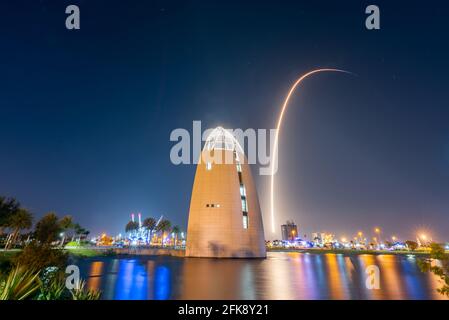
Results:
278 127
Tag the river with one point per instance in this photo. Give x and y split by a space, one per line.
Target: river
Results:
283 275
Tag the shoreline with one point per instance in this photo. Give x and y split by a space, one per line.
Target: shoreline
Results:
180 253
349 252
93 252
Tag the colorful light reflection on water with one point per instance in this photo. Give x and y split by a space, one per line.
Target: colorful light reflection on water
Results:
280 276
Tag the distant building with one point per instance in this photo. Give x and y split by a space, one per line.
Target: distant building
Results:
289 231
322 238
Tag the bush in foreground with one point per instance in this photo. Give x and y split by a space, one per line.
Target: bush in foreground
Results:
36 256
438 264
22 284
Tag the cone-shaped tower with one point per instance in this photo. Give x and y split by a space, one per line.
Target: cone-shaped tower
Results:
225 219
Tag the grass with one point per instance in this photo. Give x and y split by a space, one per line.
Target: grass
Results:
84 252
88 252
8 255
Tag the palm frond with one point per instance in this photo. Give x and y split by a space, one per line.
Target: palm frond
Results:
20 284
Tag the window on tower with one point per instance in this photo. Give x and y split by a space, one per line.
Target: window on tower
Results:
242 191
239 167
243 196
245 221
244 205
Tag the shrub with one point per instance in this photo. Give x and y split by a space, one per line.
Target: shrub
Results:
5 266
53 286
82 293
48 284
19 284
37 256
412 245
438 264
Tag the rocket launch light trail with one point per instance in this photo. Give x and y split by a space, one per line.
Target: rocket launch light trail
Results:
278 127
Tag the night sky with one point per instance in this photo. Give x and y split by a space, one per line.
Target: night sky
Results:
86 115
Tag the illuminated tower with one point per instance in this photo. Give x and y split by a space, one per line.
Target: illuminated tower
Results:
224 219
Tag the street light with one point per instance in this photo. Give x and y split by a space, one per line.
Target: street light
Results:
377 231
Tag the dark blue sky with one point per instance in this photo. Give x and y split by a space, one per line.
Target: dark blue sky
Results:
86 115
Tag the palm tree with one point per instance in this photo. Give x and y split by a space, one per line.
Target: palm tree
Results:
131 226
20 220
79 232
163 226
85 233
65 224
149 224
176 230
8 206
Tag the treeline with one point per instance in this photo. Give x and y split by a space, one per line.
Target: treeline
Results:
49 229
153 228
38 270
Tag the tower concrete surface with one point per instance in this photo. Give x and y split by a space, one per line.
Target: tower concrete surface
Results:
225 219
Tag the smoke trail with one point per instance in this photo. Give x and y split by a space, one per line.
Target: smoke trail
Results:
278 127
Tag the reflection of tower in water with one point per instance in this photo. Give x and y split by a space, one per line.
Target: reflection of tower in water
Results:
216 279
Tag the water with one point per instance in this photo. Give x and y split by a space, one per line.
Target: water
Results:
281 276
